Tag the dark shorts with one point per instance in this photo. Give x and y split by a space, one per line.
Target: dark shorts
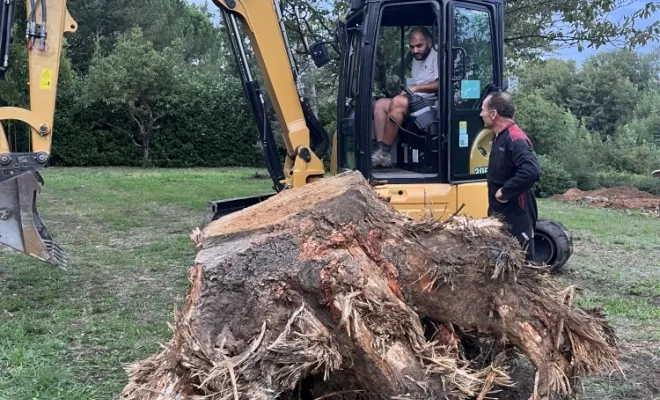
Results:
430 101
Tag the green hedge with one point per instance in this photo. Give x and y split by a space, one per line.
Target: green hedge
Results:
213 128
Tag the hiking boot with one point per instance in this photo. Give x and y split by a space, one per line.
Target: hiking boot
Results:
381 158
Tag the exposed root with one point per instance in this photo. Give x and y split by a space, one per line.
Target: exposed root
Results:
455 371
305 347
215 370
495 374
154 376
388 321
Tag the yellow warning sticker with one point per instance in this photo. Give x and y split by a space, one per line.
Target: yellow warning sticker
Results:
46 82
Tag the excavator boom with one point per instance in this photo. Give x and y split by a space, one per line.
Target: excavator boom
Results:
21 226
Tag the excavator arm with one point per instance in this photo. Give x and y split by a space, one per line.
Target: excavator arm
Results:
305 139
20 181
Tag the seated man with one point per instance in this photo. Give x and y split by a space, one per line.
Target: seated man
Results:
425 83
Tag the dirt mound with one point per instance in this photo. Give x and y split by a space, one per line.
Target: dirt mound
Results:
621 197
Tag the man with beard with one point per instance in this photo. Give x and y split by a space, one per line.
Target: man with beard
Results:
512 171
424 83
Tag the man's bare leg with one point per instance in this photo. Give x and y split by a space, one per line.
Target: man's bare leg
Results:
380 117
398 110
381 157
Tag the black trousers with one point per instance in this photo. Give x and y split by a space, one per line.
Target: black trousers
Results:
520 215
521 226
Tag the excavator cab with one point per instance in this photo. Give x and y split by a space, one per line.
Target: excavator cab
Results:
449 145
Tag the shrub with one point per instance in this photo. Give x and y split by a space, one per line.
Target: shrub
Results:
554 178
546 124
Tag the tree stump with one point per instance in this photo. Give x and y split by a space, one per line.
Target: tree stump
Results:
326 291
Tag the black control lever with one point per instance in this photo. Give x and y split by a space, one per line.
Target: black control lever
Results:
407 90
420 112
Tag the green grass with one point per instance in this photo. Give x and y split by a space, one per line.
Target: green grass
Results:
616 264
630 229
68 335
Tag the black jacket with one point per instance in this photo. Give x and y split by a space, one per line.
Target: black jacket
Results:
513 167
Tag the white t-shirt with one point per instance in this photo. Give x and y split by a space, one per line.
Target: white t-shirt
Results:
425 71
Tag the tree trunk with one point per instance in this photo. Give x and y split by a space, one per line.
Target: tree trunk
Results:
146 141
326 291
145 154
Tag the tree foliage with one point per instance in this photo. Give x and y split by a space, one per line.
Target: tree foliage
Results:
600 118
143 93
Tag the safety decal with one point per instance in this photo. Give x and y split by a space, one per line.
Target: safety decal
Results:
46 82
462 134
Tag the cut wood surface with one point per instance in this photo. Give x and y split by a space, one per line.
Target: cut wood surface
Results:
326 292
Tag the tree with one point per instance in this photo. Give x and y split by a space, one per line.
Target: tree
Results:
551 79
601 93
144 91
603 96
547 124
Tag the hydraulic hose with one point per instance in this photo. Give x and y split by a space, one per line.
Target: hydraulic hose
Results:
7 13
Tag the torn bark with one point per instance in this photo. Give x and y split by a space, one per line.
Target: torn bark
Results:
327 292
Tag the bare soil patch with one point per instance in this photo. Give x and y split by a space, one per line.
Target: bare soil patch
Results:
620 197
640 362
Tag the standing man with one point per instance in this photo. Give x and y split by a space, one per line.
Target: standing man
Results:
425 83
512 171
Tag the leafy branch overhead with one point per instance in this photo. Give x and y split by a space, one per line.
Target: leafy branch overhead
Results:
532 26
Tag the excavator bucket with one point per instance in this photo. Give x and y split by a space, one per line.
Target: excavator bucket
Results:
21 227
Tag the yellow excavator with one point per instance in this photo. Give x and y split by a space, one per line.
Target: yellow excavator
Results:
440 157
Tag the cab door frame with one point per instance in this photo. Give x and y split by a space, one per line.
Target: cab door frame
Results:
494 8
364 110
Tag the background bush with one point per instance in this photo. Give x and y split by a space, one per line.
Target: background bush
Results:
554 178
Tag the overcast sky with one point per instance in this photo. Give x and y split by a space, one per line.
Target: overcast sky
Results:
571 53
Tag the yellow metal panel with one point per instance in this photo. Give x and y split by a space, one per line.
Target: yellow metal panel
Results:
4 144
261 25
475 197
44 64
44 67
439 200
418 200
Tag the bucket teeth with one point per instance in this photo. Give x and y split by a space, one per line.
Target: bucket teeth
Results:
21 227
57 254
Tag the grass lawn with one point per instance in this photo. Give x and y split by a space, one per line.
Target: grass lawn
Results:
68 335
